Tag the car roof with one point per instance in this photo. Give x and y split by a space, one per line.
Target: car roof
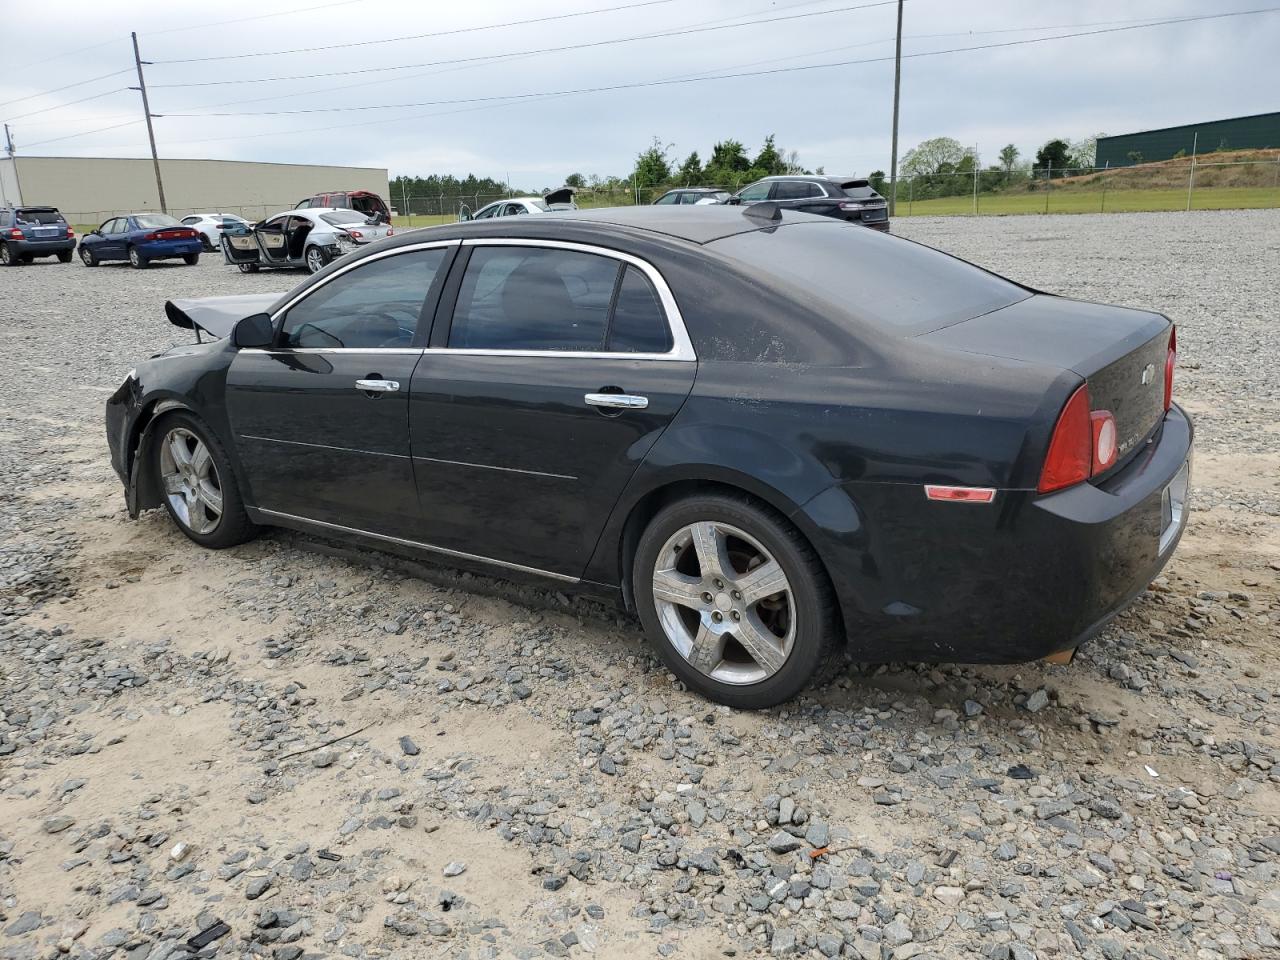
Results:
697 190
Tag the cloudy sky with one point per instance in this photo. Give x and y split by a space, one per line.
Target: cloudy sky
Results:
467 99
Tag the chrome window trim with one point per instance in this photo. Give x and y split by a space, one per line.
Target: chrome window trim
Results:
681 345
443 551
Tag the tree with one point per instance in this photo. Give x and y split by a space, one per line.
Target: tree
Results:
878 182
652 166
575 180
769 159
1055 156
793 164
939 155
1084 153
1134 156
729 155
690 173
1008 157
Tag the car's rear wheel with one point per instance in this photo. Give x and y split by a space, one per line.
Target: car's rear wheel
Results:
196 481
7 257
88 257
248 267
206 243
136 259
735 600
315 260
64 256
191 259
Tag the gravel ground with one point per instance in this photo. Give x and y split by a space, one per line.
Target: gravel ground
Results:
293 749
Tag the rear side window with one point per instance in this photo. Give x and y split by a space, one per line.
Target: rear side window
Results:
377 304
795 190
638 324
530 298
871 278
668 198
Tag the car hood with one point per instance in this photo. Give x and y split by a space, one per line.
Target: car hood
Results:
217 315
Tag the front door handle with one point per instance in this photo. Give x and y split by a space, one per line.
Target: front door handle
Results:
378 386
622 401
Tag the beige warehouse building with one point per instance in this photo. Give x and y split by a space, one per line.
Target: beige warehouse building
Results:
88 190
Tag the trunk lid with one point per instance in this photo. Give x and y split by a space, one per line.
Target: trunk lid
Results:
1119 351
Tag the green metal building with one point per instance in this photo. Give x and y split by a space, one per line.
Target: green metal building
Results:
1258 132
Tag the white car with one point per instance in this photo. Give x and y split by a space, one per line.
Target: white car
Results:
561 199
310 238
211 225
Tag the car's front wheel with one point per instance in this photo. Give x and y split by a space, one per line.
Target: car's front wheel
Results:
136 259
88 257
735 600
248 267
195 479
64 256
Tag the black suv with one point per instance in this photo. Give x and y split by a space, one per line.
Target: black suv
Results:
839 197
30 232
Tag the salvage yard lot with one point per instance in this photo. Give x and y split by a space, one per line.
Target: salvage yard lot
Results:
522 778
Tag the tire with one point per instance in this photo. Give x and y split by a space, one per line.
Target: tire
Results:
7 257
189 505
248 267
64 256
137 260
191 259
206 243
795 627
28 258
88 257
315 259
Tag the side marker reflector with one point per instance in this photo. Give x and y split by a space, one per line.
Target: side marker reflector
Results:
960 494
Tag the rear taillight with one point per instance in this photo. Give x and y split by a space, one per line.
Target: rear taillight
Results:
154 235
15 234
1170 361
355 234
1070 457
70 233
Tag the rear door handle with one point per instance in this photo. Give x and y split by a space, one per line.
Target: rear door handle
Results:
622 401
378 386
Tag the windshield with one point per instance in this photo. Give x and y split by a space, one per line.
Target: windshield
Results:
883 281
343 216
48 215
150 220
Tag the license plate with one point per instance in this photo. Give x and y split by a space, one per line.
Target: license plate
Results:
47 232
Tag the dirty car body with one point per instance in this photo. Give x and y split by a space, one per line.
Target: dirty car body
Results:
976 471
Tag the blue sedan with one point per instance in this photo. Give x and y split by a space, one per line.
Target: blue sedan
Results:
140 238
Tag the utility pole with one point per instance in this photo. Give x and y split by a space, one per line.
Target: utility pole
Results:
8 146
1191 178
151 134
897 86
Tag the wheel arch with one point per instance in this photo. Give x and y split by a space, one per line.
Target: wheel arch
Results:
145 492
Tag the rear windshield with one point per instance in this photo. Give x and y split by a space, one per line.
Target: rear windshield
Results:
343 216
859 191
150 220
39 216
883 281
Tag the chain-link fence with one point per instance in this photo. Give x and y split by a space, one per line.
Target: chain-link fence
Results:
1179 184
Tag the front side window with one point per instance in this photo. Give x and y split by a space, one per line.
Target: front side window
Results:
190 220
118 225
487 212
531 298
757 191
669 198
375 305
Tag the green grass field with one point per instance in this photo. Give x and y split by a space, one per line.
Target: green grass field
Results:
1095 201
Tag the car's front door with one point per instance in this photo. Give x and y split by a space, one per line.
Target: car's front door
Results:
321 418
553 368
112 246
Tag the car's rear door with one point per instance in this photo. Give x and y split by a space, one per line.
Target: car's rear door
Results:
552 370
321 418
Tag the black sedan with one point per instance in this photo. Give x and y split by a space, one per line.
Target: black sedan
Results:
769 434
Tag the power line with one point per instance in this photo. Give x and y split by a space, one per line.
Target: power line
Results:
754 73
261 16
96 96
423 36
78 83
85 133
684 31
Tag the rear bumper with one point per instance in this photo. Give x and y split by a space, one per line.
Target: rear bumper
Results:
162 249
1015 580
42 248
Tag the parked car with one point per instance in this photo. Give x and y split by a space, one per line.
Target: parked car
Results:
767 433
211 225
141 238
840 197
300 238
30 232
518 206
362 201
692 196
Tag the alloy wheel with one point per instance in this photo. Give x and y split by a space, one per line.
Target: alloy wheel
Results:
86 255
190 481
135 258
724 603
315 262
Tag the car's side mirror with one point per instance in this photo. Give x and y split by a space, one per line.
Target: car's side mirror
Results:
733 201
254 331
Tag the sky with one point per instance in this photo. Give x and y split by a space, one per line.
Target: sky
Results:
411 120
